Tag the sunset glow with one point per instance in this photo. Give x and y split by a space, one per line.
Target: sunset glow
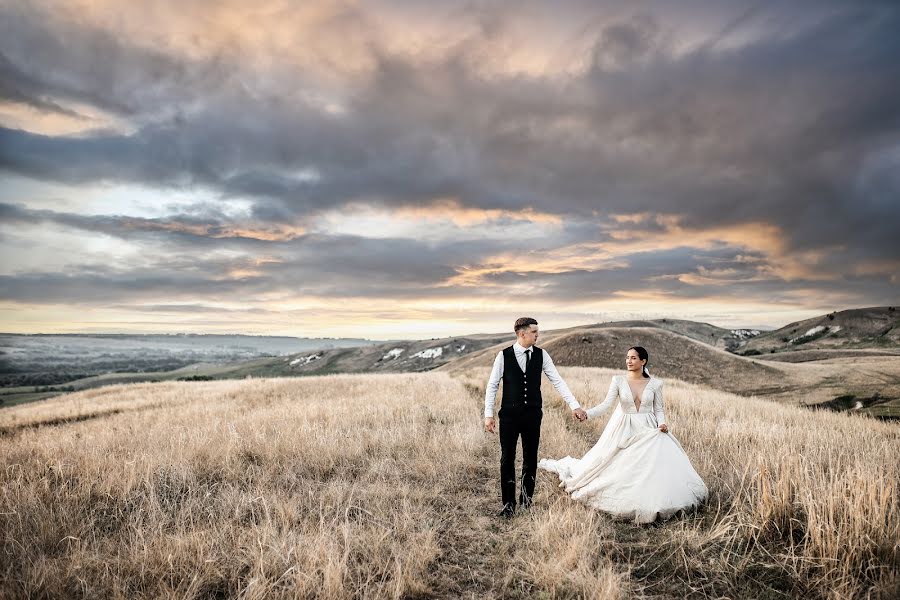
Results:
396 170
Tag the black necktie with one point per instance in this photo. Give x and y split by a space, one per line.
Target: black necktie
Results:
527 358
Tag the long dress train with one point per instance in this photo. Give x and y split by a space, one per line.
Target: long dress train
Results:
634 471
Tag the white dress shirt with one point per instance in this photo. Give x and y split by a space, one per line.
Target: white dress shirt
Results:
490 394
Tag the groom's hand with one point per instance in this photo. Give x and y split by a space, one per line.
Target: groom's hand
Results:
489 424
579 414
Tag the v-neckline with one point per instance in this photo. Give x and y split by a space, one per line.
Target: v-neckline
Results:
631 393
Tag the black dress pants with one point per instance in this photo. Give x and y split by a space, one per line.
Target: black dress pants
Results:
515 422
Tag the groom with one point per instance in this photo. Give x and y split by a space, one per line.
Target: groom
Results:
519 367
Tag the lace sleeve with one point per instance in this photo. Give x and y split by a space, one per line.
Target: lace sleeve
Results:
658 404
611 395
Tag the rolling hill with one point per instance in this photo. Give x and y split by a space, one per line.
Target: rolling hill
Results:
849 359
671 355
726 339
867 381
875 328
388 357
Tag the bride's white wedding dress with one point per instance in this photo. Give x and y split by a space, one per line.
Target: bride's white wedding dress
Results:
634 471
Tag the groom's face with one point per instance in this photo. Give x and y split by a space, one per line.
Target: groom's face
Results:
528 337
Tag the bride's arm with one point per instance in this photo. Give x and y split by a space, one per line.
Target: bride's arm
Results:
611 395
658 405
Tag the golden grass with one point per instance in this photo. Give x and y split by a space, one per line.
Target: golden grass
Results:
800 501
334 487
385 486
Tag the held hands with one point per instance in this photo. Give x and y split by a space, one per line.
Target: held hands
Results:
579 414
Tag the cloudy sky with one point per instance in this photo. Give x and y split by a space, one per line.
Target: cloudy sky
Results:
409 169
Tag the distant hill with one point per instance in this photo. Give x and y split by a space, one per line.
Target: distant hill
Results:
718 337
841 378
875 328
389 357
671 355
383 357
847 358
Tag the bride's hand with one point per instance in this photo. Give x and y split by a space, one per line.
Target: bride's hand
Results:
664 428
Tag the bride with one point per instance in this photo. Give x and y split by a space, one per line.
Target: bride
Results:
637 469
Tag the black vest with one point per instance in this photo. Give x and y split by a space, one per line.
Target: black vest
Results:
522 390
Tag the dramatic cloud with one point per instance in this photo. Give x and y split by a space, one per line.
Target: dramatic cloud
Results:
730 161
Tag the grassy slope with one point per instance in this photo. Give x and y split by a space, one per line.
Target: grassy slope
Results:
673 355
823 354
361 359
812 373
385 486
712 335
860 328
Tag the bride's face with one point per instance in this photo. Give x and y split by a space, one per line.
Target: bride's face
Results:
633 362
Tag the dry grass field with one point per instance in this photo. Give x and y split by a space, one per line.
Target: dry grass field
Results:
385 486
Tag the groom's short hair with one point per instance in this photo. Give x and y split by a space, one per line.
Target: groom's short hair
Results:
524 323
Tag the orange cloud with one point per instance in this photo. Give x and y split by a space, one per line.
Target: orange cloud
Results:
280 233
452 210
72 120
765 238
251 268
889 268
274 233
669 233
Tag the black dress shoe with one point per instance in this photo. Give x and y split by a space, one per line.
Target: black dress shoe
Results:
508 511
526 503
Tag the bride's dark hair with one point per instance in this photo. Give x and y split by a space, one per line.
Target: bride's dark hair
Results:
643 355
